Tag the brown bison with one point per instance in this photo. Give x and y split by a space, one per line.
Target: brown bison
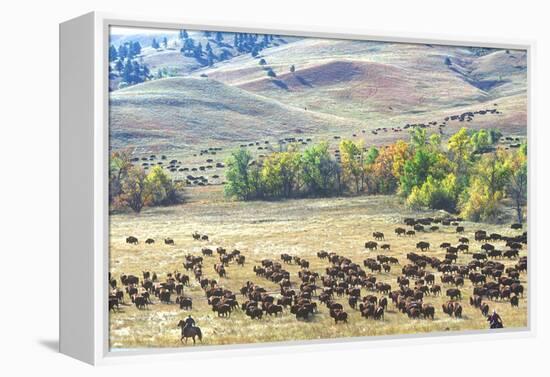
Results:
454 293
132 240
185 303
400 231
371 245
423 246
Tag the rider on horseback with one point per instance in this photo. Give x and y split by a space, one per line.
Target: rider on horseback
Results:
189 330
189 322
495 321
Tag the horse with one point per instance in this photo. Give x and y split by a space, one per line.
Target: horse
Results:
189 332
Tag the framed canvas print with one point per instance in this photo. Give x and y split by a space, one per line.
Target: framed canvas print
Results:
225 186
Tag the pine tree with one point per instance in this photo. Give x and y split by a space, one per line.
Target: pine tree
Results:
155 44
127 73
225 55
122 51
165 42
146 72
211 58
113 54
219 37
135 48
119 65
188 46
198 51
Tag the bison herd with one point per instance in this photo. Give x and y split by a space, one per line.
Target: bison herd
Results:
343 286
206 171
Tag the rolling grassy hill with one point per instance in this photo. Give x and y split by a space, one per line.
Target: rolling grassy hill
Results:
338 88
181 112
366 79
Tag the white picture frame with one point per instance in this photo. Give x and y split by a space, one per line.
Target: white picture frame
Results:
84 43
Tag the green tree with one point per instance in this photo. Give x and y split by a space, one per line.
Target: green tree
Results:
319 170
480 140
372 155
237 175
435 194
418 138
416 170
434 142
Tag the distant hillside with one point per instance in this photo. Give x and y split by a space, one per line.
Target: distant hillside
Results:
175 55
363 80
337 88
180 112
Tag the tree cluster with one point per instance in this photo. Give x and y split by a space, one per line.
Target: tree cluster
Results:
242 43
285 174
125 64
466 175
130 187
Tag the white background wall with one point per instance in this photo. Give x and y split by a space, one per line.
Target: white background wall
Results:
29 176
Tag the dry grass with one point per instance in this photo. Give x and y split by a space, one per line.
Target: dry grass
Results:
265 230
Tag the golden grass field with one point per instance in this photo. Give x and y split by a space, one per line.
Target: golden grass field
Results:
262 230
